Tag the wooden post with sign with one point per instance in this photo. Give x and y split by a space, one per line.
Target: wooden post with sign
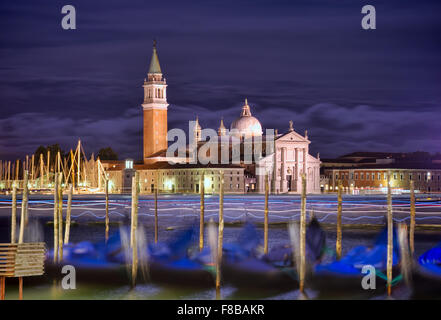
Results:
20 260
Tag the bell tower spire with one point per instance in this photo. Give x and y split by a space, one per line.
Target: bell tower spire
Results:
155 109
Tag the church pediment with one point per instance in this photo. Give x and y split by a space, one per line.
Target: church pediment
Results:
292 136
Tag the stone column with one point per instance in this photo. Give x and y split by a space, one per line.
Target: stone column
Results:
283 182
297 178
274 177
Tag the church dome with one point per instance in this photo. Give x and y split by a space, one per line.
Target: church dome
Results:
246 125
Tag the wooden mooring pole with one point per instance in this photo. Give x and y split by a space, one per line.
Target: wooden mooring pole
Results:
405 259
106 183
26 196
68 213
156 215
202 209
135 193
60 215
265 224
389 237
412 218
24 200
14 214
55 219
302 270
220 238
339 211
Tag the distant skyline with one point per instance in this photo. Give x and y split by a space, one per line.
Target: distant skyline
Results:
306 61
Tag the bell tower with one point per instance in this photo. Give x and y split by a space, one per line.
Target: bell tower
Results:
155 110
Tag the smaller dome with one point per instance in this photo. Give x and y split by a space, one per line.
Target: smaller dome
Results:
246 125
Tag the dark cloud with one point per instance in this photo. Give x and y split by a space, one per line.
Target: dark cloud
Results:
306 60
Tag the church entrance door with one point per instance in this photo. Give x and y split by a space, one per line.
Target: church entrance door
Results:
289 178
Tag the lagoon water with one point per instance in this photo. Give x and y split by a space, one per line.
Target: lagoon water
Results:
178 212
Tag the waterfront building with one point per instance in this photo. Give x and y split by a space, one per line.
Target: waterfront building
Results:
366 172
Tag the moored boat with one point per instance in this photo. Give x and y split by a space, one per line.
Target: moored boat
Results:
246 269
426 275
344 276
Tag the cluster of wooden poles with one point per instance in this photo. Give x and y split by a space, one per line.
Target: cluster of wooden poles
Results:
39 170
58 224
59 240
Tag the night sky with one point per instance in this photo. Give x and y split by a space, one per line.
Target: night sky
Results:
309 61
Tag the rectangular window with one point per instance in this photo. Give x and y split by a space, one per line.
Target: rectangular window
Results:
410 176
362 176
352 176
356 176
419 176
367 176
379 176
401 177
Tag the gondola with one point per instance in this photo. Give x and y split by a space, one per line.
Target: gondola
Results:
344 276
99 262
166 262
171 263
245 269
426 275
